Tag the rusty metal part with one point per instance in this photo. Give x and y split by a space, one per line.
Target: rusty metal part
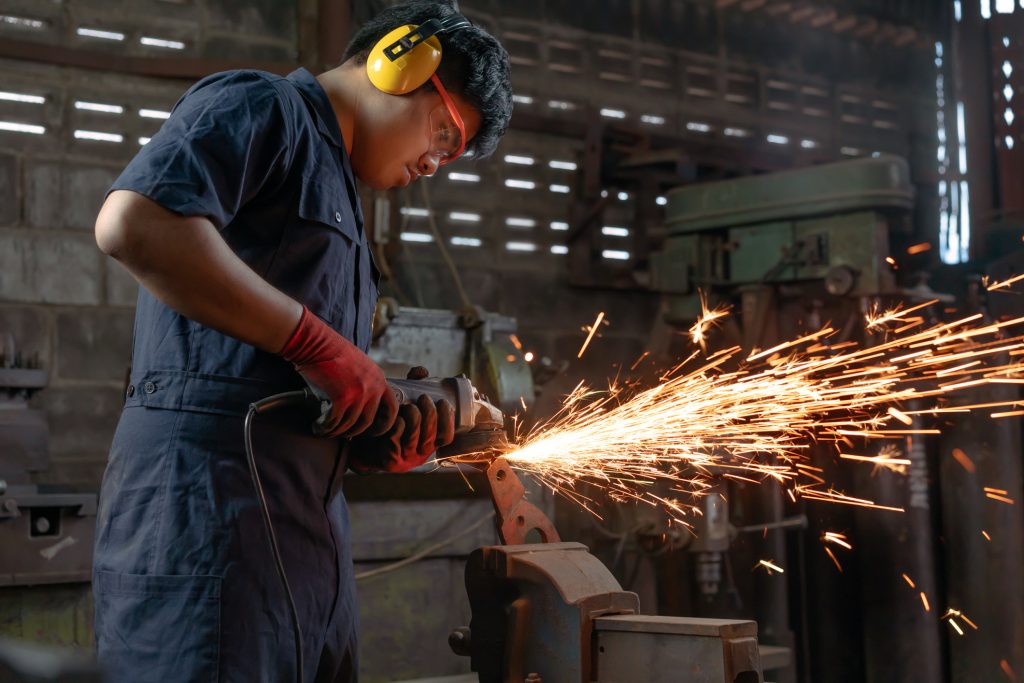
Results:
516 517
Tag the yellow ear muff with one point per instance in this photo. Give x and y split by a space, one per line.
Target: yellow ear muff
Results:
409 71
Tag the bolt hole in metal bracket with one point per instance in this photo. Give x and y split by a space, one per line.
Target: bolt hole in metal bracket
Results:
516 516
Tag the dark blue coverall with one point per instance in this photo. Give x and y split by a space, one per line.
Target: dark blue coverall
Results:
184 580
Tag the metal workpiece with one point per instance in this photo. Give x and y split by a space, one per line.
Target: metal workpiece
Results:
517 518
657 649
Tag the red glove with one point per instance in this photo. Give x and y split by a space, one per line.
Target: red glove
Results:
336 370
419 430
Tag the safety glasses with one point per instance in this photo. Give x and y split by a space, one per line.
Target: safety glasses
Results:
447 129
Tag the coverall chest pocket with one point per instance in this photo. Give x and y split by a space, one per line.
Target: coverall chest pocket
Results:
331 242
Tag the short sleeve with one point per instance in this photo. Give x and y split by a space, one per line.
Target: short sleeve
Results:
225 139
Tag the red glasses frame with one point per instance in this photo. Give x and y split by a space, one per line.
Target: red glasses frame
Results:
456 117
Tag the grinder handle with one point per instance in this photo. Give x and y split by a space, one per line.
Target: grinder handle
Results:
458 391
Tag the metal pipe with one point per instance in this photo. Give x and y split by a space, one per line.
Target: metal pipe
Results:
902 640
983 578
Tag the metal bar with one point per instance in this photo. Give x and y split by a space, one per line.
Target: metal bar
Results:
983 576
517 517
902 642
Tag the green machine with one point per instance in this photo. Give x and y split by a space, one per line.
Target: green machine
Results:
830 223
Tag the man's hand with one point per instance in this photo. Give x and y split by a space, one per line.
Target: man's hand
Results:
419 430
336 370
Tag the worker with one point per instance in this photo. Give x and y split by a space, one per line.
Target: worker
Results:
241 220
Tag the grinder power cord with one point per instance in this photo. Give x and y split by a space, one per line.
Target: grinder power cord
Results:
477 425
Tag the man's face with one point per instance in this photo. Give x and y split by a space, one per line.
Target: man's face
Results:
399 143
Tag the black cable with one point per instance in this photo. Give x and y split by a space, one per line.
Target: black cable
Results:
264 405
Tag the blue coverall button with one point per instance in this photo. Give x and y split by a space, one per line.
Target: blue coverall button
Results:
149 387
337 216
131 390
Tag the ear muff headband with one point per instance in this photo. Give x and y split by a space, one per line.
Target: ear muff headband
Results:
408 56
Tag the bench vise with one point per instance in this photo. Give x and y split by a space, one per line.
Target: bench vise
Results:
551 611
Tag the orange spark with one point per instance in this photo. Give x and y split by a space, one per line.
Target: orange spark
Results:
706 320
1001 499
832 555
877 319
894 464
1008 670
515 342
924 601
964 461
919 248
639 360
593 331
754 416
1002 284
769 566
902 417
909 582
837 538
528 356
985 534
952 614
1002 492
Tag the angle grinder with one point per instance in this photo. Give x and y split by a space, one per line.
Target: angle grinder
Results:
479 425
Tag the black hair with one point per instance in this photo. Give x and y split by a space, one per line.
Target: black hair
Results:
474 64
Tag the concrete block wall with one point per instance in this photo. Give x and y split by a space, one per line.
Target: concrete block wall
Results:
60 298
258 30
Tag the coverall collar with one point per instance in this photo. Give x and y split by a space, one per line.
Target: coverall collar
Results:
313 92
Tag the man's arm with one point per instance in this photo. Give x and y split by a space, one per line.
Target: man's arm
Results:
186 264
